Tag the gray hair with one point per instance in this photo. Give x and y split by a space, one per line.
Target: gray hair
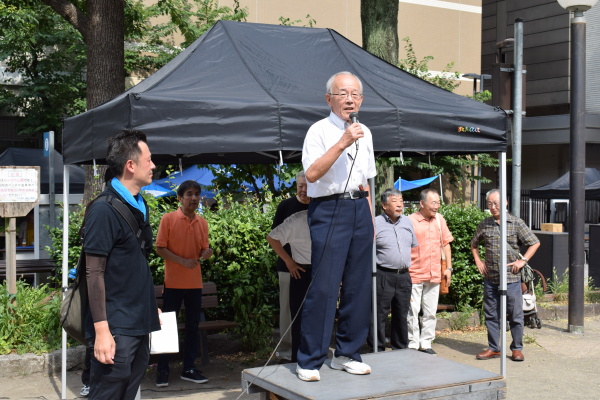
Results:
425 193
491 192
329 84
300 174
388 193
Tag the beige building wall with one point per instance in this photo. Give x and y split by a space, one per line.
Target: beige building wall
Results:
449 31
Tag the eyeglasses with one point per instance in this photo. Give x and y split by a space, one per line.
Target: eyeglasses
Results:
343 96
495 205
435 203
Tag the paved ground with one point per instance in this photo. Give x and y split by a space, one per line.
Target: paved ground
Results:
558 365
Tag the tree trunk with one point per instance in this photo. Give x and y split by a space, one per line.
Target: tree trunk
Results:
103 29
105 51
379 20
105 68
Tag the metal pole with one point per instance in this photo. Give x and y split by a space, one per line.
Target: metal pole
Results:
11 255
65 272
517 119
503 284
374 272
52 188
576 176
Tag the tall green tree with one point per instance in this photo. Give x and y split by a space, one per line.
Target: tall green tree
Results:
79 50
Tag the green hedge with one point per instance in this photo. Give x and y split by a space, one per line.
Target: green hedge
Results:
243 264
466 290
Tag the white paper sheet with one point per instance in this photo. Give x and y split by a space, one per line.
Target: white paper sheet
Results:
166 340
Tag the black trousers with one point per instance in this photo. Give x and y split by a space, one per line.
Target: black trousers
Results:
393 293
87 365
121 380
298 288
192 299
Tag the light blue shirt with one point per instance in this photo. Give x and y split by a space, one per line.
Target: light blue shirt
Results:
394 241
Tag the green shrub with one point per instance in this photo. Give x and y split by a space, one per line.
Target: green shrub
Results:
29 325
56 250
243 267
559 286
466 290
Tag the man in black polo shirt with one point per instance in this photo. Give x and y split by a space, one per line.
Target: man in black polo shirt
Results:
122 306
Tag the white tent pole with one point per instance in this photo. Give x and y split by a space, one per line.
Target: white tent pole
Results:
65 272
441 190
503 249
374 272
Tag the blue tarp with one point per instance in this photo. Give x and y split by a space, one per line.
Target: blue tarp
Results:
166 186
403 185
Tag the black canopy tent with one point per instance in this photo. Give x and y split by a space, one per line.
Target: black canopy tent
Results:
243 93
247 93
559 189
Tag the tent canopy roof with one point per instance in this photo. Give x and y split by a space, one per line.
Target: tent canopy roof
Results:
559 189
244 92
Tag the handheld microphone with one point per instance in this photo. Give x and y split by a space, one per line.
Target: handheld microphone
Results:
354 119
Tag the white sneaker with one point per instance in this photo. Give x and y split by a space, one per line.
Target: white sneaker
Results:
308 375
85 391
349 365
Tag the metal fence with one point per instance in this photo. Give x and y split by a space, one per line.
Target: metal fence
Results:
535 212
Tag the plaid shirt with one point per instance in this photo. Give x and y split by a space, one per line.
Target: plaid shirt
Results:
517 233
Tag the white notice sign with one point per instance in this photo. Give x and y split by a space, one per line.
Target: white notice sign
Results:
19 185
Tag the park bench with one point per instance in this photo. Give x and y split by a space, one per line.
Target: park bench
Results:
209 300
30 268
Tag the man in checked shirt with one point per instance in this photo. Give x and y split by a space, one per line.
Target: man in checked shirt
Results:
517 233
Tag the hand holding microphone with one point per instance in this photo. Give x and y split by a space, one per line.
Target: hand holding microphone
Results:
353 132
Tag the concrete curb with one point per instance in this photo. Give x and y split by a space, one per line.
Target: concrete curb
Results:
49 363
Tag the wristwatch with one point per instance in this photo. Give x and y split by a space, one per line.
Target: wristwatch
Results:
524 259
449 269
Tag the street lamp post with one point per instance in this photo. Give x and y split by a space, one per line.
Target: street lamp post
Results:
577 162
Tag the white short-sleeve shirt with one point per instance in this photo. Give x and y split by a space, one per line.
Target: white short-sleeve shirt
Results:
321 136
294 230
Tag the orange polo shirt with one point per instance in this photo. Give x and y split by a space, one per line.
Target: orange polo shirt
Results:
187 239
425 259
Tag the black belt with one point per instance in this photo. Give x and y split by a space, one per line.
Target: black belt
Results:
359 194
393 270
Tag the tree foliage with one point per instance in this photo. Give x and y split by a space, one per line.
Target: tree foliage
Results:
231 178
45 66
446 80
458 167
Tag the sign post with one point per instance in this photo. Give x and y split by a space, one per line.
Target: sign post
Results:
19 194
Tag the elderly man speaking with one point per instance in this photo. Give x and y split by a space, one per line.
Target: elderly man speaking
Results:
338 159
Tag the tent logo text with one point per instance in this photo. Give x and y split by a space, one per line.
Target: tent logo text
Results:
474 129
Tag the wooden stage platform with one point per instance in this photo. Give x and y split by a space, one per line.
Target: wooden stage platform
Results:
400 374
